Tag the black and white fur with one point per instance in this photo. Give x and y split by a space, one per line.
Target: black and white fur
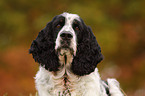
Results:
68 54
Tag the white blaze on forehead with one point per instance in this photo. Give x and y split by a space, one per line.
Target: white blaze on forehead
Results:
70 17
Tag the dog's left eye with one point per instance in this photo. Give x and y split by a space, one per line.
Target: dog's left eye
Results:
76 27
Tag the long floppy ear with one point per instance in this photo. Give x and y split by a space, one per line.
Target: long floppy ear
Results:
42 49
88 53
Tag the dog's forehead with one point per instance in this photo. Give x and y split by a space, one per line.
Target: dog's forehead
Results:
70 17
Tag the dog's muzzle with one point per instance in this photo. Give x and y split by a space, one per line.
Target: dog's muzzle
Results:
65 43
65 39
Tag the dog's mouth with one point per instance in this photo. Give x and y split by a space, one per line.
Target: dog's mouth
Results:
65 50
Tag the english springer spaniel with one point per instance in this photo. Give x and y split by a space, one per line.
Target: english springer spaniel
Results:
68 54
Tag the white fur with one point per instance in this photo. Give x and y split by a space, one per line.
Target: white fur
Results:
48 84
114 87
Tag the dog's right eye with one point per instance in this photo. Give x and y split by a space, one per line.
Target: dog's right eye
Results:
58 26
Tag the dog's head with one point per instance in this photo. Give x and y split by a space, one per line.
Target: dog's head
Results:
67 34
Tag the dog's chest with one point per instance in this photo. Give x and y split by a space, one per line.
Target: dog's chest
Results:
61 84
64 81
56 85
64 86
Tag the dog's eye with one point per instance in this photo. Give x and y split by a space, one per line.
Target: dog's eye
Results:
77 28
61 21
58 26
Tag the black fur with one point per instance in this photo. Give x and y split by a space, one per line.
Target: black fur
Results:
42 49
88 53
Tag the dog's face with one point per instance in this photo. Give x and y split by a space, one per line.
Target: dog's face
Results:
66 35
66 39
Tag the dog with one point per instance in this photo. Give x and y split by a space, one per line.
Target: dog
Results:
68 54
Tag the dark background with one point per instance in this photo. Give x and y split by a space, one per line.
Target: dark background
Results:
119 27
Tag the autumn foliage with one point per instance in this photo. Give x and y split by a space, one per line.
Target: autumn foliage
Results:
119 26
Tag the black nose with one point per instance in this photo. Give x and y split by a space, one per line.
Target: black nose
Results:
66 35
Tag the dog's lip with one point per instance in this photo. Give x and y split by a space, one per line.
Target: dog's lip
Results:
64 47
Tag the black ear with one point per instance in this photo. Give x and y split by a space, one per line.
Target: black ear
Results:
42 49
88 53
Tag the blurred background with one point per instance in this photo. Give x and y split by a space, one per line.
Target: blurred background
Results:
119 27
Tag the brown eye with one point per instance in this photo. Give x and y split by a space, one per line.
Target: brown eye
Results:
77 28
58 26
61 20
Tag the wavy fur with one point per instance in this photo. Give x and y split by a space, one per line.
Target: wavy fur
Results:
42 49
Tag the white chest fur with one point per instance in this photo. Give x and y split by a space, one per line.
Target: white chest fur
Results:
65 83
49 85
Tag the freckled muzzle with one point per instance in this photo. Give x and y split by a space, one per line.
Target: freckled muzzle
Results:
65 43
65 39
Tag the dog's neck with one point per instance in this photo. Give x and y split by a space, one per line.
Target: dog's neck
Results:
65 57
64 75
